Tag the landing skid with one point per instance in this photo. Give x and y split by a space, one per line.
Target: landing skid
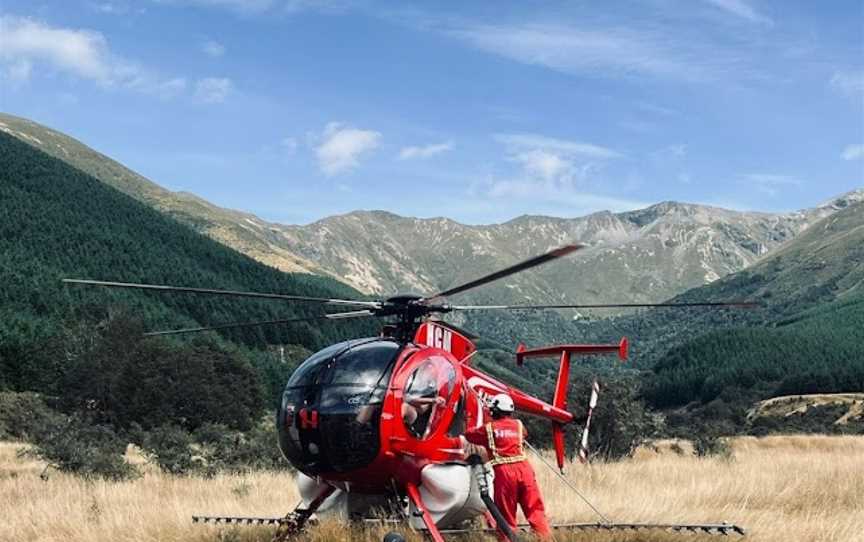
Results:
705 528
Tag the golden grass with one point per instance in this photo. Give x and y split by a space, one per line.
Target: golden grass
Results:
795 488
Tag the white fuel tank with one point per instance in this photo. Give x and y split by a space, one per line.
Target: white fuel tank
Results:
450 494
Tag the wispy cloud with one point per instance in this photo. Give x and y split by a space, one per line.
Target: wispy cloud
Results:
560 199
111 7
424 151
342 147
563 146
552 165
553 173
213 90
772 183
616 52
253 7
853 152
742 9
30 47
213 48
245 6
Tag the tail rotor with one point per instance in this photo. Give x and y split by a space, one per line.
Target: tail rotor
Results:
592 403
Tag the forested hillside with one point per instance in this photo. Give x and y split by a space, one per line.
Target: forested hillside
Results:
807 337
711 365
56 222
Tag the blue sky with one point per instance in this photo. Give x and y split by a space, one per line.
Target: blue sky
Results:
483 111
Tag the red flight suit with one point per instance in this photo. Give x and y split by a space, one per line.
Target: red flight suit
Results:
514 477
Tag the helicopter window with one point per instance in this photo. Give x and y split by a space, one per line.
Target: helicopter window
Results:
426 394
364 365
309 372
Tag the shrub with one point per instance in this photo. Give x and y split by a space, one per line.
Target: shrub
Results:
73 445
709 445
171 448
22 414
233 451
214 448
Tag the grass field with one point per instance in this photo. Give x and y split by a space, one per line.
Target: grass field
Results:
782 489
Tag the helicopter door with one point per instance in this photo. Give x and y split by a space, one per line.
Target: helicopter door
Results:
427 395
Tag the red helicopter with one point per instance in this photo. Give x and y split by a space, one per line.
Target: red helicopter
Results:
372 422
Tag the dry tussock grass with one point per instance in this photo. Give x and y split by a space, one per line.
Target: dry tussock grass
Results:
801 488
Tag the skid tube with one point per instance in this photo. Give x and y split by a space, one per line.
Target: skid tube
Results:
709 528
705 528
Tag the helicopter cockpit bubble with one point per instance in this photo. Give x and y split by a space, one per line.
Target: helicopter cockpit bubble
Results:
426 394
331 406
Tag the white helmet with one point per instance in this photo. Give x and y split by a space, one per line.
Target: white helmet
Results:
502 403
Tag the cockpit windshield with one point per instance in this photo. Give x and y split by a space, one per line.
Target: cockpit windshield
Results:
331 407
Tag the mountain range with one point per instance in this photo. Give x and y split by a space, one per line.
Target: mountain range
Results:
646 255
67 210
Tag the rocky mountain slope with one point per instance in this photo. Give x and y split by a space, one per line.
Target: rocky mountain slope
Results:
645 255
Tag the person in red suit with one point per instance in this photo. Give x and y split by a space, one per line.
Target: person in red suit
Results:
515 482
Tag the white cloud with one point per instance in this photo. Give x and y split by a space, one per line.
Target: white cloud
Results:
252 7
342 146
604 52
560 199
30 46
743 9
168 88
213 48
853 152
109 7
553 173
425 151
80 52
772 183
247 6
534 141
213 90
850 83
558 162
543 164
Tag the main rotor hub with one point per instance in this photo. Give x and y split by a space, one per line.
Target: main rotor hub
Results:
404 299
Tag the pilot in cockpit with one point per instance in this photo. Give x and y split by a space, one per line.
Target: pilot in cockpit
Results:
420 401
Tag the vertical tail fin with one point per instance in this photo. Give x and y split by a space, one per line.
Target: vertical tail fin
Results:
583 448
559 400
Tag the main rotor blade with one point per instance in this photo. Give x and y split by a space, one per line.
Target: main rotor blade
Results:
185 289
522 266
337 316
733 304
